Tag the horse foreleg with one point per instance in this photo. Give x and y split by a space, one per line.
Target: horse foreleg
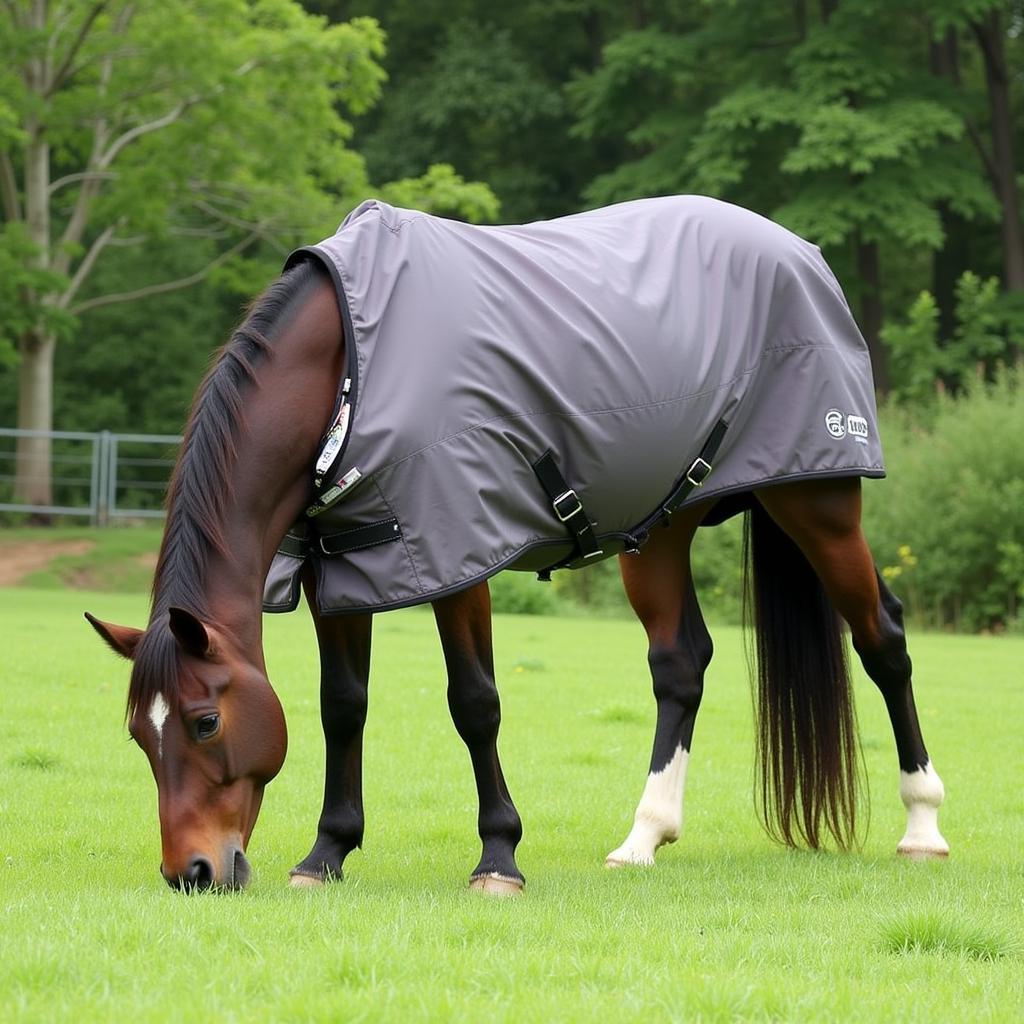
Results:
344 642
823 518
658 585
464 625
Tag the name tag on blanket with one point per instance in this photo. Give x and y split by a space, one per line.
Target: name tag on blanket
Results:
333 494
335 437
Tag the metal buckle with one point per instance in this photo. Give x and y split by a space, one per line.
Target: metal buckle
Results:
705 469
562 497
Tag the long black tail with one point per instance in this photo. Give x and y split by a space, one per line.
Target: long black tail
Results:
807 777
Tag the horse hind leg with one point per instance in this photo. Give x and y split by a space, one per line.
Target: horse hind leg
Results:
659 587
921 790
823 519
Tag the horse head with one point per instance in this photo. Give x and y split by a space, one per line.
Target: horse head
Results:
214 732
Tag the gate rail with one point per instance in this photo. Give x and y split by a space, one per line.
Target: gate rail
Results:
126 478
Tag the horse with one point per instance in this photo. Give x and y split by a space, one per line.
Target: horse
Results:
260 454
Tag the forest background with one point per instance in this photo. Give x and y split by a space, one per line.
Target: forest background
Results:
157 161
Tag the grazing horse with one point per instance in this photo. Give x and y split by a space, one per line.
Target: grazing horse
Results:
416 404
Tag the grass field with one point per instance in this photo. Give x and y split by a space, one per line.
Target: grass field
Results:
726 927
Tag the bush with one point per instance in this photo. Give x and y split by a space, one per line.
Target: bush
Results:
947 525
519 593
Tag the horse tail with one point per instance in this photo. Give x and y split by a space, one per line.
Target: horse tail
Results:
807 763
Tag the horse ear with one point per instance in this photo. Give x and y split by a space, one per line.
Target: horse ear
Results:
122 639
190 633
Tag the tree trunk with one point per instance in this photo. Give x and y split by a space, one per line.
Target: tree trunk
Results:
949 262
869 273
33 478
948 265
33 484
990 38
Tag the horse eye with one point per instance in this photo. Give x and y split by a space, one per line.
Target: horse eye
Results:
207 726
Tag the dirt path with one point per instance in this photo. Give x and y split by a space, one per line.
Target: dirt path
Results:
19 558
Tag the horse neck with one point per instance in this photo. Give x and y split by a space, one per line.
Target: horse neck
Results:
287 407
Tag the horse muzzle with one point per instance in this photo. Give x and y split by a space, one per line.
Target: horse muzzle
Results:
201 873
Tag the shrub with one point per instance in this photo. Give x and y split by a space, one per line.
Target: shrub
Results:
519 593
947 525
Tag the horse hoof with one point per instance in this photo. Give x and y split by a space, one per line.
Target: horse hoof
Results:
918 853
305 882
494 884
622 858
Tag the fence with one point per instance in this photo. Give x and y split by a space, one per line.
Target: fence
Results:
102 476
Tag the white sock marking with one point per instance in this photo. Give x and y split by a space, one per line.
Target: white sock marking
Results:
922 793
659 815
158 712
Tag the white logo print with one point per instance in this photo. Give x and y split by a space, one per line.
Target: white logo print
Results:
857 428
835 423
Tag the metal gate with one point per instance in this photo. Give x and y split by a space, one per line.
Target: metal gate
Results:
102 476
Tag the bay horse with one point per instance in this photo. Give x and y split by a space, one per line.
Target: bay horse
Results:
201 707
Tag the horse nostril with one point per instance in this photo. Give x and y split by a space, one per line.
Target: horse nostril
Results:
198 875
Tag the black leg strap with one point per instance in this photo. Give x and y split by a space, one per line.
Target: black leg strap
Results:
567 506
699 471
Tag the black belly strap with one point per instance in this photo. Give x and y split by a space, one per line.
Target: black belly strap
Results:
567 507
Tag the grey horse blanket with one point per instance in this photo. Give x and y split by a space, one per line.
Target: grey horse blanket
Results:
617 340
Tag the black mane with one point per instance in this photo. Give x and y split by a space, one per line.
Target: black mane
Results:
200 488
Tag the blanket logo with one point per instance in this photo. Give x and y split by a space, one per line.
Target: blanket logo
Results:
835 423
838 424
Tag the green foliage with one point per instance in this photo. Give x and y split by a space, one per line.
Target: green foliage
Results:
915 357
443 192
920 360
979 337
191 142
519 593
811 115
480 86
595 588
21 275
946 526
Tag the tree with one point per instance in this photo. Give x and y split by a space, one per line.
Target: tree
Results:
128 123
810 115
480 85
990 26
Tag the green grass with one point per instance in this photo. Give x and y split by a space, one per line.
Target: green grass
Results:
726 927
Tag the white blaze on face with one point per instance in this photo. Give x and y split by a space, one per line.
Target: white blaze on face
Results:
922 794
158 712
659 815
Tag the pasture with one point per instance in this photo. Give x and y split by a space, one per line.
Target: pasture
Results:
727 927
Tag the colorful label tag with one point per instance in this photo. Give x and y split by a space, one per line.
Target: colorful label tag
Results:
332 494
334 441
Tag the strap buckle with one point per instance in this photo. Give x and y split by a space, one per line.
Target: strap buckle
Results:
699 471
569 495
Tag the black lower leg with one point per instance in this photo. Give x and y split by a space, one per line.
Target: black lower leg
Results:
344 671
677 671
888 665
464 625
